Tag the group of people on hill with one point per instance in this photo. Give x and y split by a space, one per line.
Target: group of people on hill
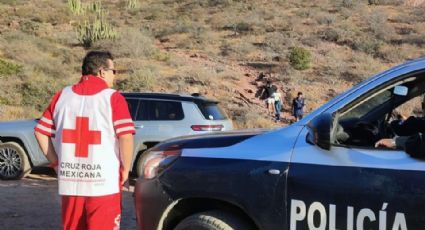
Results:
273 100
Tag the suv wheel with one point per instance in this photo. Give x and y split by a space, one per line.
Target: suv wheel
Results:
14 162
213 220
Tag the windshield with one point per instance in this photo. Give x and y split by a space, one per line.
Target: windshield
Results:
366 106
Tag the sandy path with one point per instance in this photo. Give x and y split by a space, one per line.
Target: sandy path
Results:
33 203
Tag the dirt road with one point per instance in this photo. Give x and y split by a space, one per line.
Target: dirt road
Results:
33 203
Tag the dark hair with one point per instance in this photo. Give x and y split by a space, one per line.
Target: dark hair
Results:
94 60
300 93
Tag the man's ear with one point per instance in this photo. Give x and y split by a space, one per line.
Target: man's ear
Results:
101 73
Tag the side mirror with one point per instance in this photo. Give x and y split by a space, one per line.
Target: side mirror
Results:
400 90
320 130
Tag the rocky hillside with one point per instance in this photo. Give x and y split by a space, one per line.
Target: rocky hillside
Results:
214 47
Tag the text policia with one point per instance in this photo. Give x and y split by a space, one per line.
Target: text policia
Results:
299 212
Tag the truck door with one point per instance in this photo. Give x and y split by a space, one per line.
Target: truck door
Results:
354 188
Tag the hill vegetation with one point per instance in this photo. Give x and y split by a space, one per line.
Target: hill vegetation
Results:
214 47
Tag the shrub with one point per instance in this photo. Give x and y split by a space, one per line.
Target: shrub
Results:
380 27
132 43
245 117
199 76
38 92
326 19
419 13
349 3
180 25
385 2
139 80
8 68
331 35
300 58
161 56
215 3
368 45
17 112
29 27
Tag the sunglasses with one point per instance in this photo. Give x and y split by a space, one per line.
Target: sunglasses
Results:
114 71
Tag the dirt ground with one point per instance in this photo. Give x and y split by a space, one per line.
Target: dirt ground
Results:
34 203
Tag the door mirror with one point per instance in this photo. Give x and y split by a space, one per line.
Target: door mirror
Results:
320 131
401 90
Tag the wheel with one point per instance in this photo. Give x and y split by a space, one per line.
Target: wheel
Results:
14 162
213 220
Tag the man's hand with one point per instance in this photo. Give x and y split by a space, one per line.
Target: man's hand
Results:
387 143
46 146
124 178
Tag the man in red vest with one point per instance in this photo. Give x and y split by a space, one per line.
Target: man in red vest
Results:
86 134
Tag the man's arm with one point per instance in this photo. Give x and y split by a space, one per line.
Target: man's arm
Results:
126 143
408 127
46 145
392 143
124 130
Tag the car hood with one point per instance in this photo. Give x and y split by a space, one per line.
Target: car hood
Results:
210 140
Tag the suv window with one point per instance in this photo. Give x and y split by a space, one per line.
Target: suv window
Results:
133 107
142 111
165 110
211 111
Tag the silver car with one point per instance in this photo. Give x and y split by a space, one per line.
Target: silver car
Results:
157 117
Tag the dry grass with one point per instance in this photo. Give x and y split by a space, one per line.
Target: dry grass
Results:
9 113
349 41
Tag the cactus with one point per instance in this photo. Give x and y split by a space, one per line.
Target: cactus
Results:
76 7
132 4
99 29
95 7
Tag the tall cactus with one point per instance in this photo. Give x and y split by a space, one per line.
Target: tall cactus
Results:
95 7
132 4
76 7
99 29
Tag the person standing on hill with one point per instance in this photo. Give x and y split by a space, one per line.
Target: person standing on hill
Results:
86 134
267 93
298 106
277 97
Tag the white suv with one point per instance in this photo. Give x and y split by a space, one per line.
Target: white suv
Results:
157 117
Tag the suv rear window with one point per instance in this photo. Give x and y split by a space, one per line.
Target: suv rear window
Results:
211 111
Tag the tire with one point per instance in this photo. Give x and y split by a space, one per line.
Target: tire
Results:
213 220
14 163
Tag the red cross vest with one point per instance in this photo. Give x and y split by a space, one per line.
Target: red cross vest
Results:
86 144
